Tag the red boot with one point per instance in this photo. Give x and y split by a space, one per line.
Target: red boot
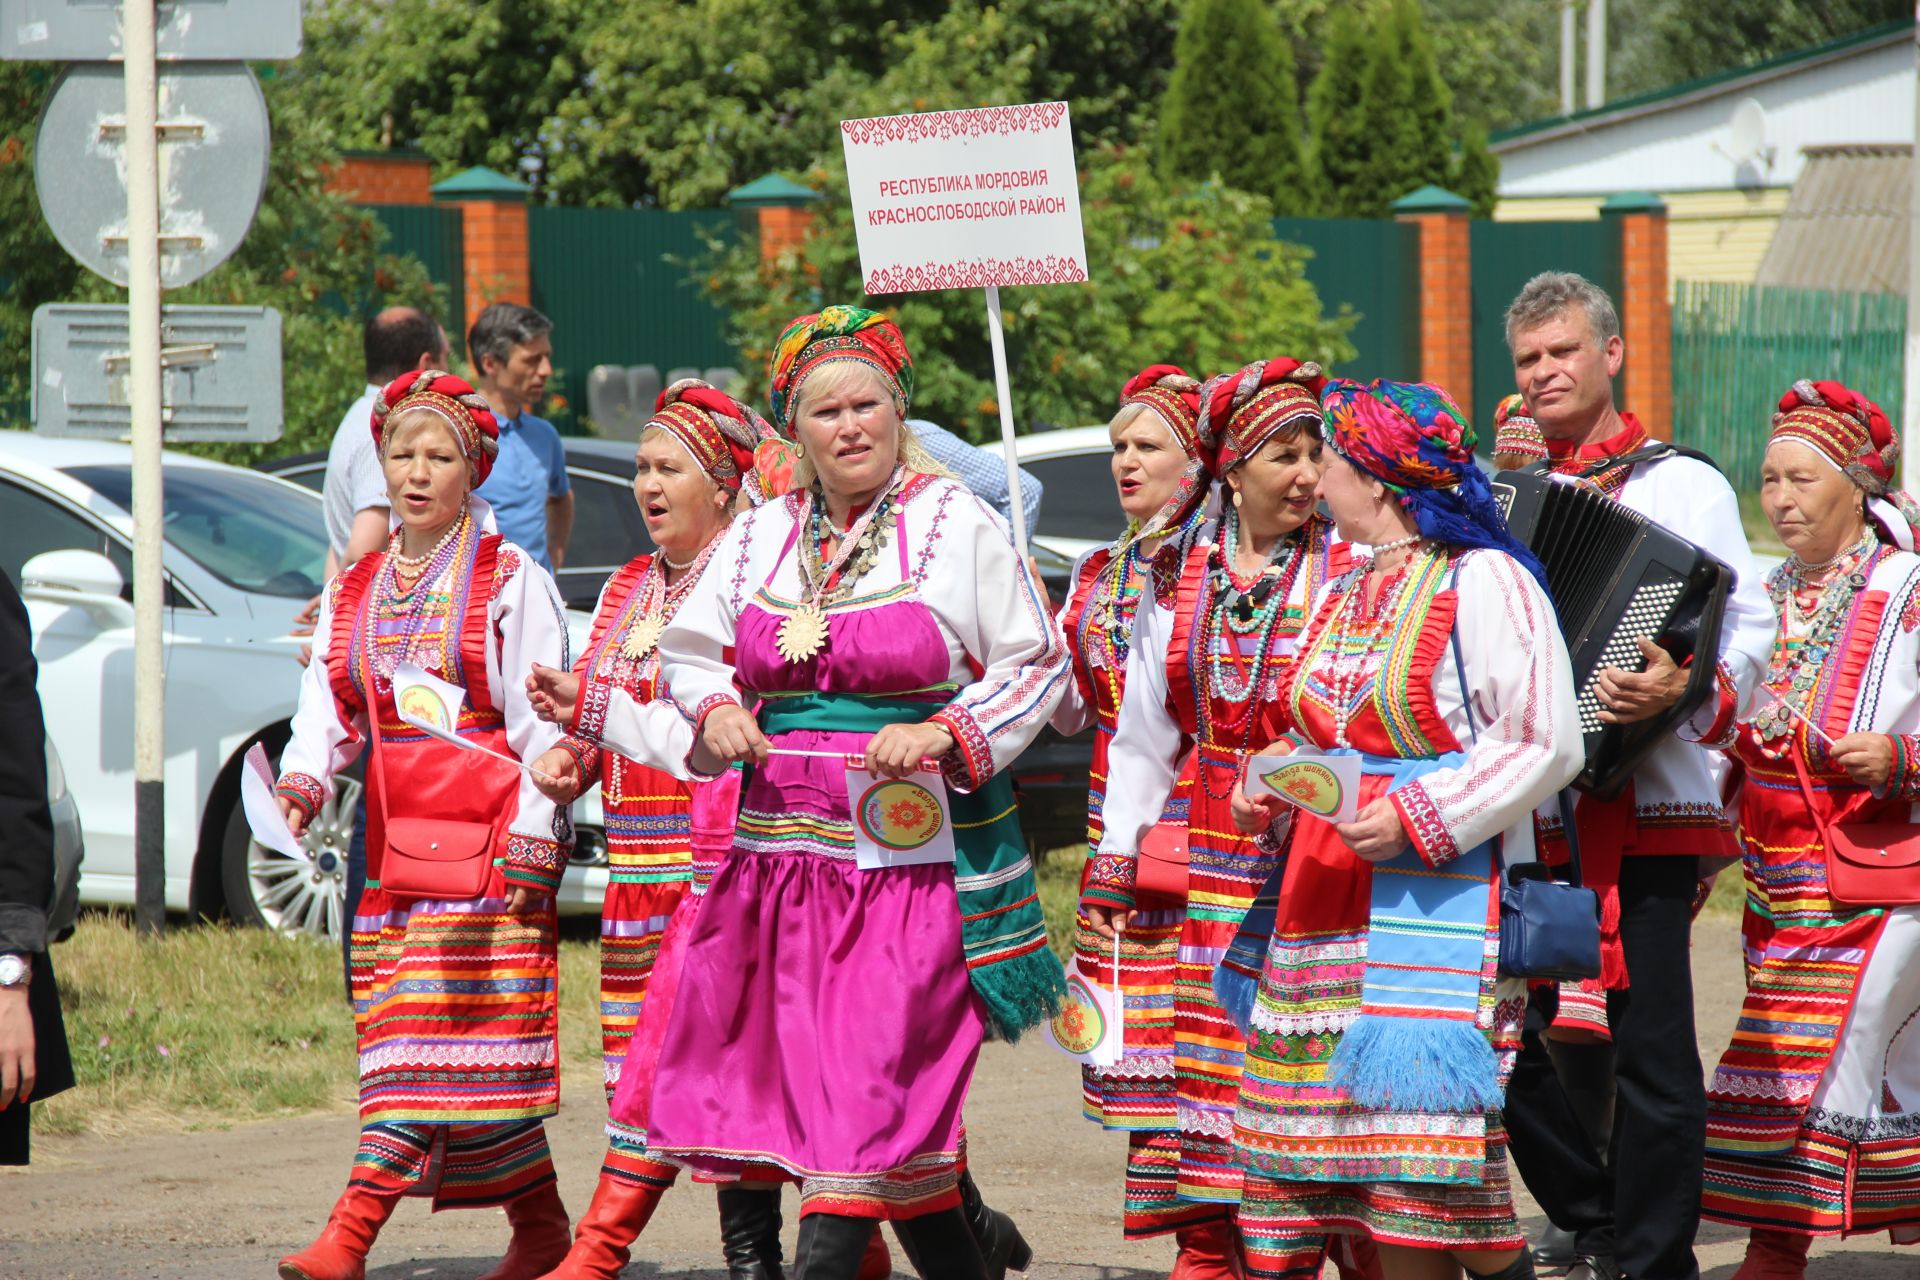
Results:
341 1251
1207 1253
1775 1255
613 1221
540 1239
877 1264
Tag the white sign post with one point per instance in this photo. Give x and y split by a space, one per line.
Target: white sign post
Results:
969 200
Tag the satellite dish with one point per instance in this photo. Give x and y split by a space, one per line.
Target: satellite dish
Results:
1748 130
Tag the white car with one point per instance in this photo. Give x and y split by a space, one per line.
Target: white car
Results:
1078 507
244 553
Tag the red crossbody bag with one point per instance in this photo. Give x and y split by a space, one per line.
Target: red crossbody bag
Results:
439 858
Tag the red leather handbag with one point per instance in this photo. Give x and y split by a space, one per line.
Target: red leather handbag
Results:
1160 872
438 858
1869 864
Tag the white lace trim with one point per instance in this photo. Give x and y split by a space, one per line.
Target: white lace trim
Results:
533 1053
1158 1066
1214 1124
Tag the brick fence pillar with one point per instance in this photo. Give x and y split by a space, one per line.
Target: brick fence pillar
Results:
1646 308
1446 288
383 177
775 210
497 258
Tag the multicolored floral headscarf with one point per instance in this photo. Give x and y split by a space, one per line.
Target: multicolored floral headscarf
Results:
730 440
1173 396
452 400
1413 439
1853 435
1516 432
1242 409
836 333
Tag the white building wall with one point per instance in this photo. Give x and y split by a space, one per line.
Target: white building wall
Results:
1864 96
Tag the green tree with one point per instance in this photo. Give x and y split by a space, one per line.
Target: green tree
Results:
1192 276
1231 107
1341 147
1658 43
310 255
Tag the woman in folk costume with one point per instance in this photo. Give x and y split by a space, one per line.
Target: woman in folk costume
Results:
1810 1116
828 1015
1578 1040
1160 471
696 460
1205 661
1370 1104
453 962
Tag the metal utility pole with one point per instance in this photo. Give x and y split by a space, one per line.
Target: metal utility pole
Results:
1596 53
1569 54
1910 445
143 391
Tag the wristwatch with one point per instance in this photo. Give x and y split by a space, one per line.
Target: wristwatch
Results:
15 971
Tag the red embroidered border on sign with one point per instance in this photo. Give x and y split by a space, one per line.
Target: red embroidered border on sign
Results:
973 122
977 273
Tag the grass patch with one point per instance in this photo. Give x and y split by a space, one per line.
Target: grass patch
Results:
1058 871
208 1025
1760 534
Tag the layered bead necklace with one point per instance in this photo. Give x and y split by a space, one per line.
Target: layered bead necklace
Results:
411 600
1357 631
827 581
1240 608
654 602
1813 602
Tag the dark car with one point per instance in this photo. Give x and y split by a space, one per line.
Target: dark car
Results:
607 528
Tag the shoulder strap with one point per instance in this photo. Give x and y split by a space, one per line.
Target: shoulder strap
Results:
1653 452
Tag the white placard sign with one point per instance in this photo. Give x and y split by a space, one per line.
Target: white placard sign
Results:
966 199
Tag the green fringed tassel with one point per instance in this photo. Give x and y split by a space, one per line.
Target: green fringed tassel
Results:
1020 993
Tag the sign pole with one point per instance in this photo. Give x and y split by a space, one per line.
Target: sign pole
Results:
1003 395
143 393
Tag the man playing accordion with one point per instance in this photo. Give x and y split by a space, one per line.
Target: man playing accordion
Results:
1642 851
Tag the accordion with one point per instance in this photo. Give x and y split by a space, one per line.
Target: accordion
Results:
1616 578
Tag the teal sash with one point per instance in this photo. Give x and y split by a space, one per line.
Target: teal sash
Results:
1002 931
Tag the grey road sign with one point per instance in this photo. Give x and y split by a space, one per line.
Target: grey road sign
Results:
214 144
188 30
220 365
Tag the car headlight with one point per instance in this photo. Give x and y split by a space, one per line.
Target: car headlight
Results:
56 776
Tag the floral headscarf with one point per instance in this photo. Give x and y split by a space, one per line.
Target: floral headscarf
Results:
836 333
455 402
1851 433
731 441
1242 409
1174 397
1413 439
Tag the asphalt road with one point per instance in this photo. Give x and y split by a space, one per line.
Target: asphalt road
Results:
227 1203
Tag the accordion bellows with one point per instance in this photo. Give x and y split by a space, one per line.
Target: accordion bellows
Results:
1617 577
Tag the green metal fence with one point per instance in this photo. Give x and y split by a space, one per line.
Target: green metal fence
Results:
619 289
432 234
1373 266
1505 256
1737 348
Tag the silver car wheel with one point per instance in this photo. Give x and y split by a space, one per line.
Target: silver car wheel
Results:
309 895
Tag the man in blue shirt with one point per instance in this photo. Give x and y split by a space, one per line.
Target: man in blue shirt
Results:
981 470
512 352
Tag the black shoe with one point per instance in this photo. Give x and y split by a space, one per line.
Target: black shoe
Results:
1004 1248
1554 1248
750 1233
941 1246
1595 1266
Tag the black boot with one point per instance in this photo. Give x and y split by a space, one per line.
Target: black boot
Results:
941 1246
1004 1248
750 1232
1585 1069
1521 1268
831 1246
